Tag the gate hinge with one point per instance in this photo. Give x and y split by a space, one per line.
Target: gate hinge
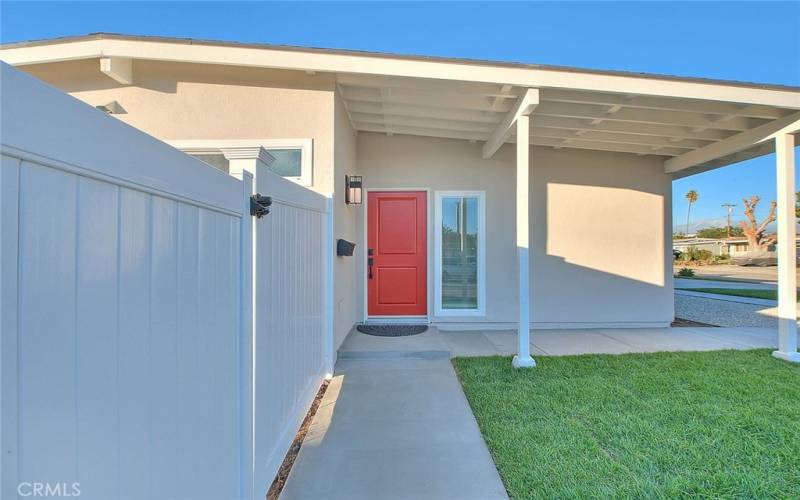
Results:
259 205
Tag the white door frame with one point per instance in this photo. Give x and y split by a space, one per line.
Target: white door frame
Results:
429 259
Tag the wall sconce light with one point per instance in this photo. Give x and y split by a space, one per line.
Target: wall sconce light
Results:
352 189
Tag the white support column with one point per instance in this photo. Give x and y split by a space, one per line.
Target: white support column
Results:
787 255
523 358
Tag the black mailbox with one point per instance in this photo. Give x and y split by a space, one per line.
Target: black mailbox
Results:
344 248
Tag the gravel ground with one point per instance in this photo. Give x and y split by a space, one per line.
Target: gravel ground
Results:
722 313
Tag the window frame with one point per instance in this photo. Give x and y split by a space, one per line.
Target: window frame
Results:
306 147
439 197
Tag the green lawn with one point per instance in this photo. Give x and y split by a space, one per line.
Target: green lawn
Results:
720 424
741 292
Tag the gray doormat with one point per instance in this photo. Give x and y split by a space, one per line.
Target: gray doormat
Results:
392 330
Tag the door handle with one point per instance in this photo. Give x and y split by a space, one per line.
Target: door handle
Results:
370 262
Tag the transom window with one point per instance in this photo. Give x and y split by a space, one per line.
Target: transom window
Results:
460 253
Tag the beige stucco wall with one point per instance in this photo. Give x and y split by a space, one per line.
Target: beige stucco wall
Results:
347 304
598 226
174 101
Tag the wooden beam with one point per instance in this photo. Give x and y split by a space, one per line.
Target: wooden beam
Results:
581 143
590 111
118 68
733 144
524 107
422 84
440 99
612 137
388 120
465 115
661 103
420 131
676 132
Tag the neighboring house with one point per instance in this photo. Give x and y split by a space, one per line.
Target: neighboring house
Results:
465 164
723 246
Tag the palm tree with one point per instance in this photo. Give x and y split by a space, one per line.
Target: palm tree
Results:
691 197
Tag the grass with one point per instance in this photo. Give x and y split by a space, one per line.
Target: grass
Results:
741 292
722 424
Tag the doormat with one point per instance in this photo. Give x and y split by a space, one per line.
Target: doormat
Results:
392 330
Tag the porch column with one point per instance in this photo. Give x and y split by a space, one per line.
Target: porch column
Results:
787 255
523 358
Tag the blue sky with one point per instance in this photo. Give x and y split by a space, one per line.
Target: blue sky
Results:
750 41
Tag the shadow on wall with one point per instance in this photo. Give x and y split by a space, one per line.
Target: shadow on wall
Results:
602 257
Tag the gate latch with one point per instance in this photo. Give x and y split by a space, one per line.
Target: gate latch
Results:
259 205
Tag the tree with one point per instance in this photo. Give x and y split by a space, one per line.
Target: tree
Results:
718 232
691 197
797 205
756 240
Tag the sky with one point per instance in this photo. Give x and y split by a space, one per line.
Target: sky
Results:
747 41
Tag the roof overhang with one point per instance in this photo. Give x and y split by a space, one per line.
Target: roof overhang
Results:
694 124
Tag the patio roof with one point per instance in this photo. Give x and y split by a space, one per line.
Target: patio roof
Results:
693 124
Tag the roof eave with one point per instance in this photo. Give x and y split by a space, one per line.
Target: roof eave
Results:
340 61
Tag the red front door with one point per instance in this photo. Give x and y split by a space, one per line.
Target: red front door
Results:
397 247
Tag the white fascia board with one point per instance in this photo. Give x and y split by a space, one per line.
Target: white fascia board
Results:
364 64
734 144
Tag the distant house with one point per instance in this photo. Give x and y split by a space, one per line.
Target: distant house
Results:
722 246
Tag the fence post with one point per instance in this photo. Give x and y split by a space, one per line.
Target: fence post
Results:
328 247
9 326
247 340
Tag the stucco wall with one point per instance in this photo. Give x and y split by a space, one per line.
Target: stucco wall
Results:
174 101
598 226
599 220
347 303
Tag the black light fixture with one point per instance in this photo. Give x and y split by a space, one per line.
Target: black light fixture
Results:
352 189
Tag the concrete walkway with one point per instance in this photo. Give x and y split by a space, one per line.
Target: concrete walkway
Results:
394 428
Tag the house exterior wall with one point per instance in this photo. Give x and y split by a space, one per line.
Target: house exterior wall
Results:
346 306
176 101
599 233
599 220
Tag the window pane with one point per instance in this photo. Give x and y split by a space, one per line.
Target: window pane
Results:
215 160
460 253
287 162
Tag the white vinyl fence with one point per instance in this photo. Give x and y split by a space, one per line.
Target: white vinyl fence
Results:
290 296
131 366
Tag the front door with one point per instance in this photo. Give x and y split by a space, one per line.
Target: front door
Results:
397 246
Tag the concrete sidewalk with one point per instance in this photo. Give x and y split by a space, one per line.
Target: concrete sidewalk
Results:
709 283
558 342
729 298
395 428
